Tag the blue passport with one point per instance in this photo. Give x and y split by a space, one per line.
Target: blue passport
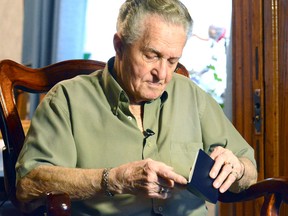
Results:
200 183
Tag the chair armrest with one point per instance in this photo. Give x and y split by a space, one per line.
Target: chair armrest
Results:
274 191
51 204
58 204
277 185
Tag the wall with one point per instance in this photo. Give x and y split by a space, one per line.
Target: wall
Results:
11 20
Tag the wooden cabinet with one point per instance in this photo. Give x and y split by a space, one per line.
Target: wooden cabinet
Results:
260 88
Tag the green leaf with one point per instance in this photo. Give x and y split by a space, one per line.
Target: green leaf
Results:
217 78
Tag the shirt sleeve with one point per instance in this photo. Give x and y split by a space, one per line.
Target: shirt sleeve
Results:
50 139
219 131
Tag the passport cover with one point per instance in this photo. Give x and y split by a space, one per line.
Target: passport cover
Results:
200 183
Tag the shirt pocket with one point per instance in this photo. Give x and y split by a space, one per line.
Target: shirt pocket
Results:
183 155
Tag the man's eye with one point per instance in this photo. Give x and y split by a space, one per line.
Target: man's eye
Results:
151 57
173 61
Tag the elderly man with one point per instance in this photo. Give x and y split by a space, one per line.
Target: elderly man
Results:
122 140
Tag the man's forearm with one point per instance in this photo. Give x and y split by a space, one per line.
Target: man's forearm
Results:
145 178
78 183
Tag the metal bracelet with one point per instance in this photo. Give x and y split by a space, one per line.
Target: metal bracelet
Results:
105 177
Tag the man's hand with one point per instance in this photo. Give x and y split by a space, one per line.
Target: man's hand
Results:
226 170
149 178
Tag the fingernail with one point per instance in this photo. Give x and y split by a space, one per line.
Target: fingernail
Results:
216 184
212 175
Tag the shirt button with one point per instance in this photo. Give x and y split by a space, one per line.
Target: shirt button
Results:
160 209
114 110
123 98
130 118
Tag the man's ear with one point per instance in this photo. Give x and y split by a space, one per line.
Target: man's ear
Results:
118 45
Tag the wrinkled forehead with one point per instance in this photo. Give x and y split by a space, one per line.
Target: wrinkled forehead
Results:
158 33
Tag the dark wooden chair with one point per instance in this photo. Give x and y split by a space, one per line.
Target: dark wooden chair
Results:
16 76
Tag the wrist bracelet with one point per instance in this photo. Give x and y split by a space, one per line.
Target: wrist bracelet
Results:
105 177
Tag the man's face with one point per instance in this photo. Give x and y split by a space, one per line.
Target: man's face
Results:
147 65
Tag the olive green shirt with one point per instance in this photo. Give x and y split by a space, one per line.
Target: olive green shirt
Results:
85 122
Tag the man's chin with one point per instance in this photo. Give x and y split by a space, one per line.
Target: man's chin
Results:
153 97
149 95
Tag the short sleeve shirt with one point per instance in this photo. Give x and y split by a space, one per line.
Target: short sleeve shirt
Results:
85 122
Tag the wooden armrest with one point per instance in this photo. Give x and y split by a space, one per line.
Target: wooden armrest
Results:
274 191
52 204
58 204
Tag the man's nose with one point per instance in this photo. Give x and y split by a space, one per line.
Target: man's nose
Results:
162 67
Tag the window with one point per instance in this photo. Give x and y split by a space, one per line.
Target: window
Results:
204 55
